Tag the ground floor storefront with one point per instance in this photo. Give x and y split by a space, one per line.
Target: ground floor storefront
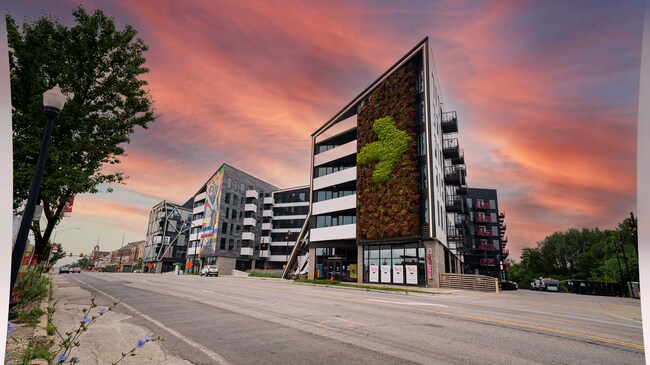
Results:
413 263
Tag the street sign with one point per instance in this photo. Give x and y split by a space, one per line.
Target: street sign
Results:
189 264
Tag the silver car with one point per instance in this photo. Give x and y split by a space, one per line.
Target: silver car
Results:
210 270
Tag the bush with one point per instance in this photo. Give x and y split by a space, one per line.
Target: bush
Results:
31 288
30 317
266 274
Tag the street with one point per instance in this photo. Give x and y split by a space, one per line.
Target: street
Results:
232 320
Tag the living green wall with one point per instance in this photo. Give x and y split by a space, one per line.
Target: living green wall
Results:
388 205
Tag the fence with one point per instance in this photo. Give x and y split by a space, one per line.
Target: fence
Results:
469 282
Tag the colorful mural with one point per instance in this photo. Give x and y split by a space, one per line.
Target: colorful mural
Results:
210 227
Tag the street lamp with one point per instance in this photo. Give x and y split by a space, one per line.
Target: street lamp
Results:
53 101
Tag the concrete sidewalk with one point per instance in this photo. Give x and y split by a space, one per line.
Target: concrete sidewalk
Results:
110 335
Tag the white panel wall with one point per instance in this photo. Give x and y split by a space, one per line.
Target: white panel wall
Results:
335 205
335 178
338 128
343 150
348 231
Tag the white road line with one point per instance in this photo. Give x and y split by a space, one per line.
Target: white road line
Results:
208 291
409 303
213 355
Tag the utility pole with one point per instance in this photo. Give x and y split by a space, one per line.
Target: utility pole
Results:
627 269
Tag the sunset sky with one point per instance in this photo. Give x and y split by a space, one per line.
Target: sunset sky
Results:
546 94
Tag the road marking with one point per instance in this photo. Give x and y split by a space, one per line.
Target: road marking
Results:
556 319
541 328
408 303
208 291
213 355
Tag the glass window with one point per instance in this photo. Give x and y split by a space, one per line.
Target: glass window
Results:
229 183
224 227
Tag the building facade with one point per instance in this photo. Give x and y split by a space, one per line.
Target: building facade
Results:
377 209
486 235
226 222
283 217
167 236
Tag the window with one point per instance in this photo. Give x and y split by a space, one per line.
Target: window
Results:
242 188
227 198
235 200
234 214
229 183
222 246
227 212
224 227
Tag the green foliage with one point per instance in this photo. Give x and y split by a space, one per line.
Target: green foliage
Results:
30 317
99 67
31 288
586 254
138 265
56 256
262 274
82 263
36 351
387 150
390 209
50 329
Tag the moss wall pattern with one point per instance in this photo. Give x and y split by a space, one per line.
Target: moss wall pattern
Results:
390 209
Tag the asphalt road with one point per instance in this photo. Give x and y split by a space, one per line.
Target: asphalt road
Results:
231 320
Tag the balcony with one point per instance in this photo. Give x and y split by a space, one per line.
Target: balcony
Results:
266 227
460 160
503 227
250 208
484 233
481 206
504 240
486 247
455 204
449 122
487 262
334 205
502 216
336 153
460 220
268 200
455 234
265 239
505 253
247 251
455 175
344 232
483 219
336 178
250 222
248 236
267 213
252 194
265 253
450 148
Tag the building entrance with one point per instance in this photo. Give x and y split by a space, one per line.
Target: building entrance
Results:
335 269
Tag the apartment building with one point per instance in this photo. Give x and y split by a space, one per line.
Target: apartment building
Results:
283 217
226 222
486 238
377 210
167 236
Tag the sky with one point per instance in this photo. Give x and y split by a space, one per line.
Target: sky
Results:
546 94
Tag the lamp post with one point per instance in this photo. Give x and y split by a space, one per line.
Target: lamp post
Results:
63 230
53 101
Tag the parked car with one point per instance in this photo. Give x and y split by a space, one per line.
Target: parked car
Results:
64 270
546 284
210 270
509 285
76 269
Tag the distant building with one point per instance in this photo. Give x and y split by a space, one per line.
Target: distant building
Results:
98 259
167 236
486 239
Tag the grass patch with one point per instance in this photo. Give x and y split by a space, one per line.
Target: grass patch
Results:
35 351
50 329
30 317
257 274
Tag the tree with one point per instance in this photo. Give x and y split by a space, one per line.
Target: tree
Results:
82 263
99 68
57 255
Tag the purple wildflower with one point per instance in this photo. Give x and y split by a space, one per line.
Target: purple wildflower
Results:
147 338
59 359
103 310
74 360
140 344
10 328
85 320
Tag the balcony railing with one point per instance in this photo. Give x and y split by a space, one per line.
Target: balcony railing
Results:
481 205
483 219
450 148
487 262
504 239
455 175
455 203
502 216
486 246
505 253
484 233
449 122
455 234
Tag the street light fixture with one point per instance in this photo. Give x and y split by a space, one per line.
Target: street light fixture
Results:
53 101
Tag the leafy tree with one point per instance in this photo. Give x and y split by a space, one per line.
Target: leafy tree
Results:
82 263
138 265
99 68
57 255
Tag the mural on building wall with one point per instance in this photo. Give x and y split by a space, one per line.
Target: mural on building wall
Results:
210 226
388 199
